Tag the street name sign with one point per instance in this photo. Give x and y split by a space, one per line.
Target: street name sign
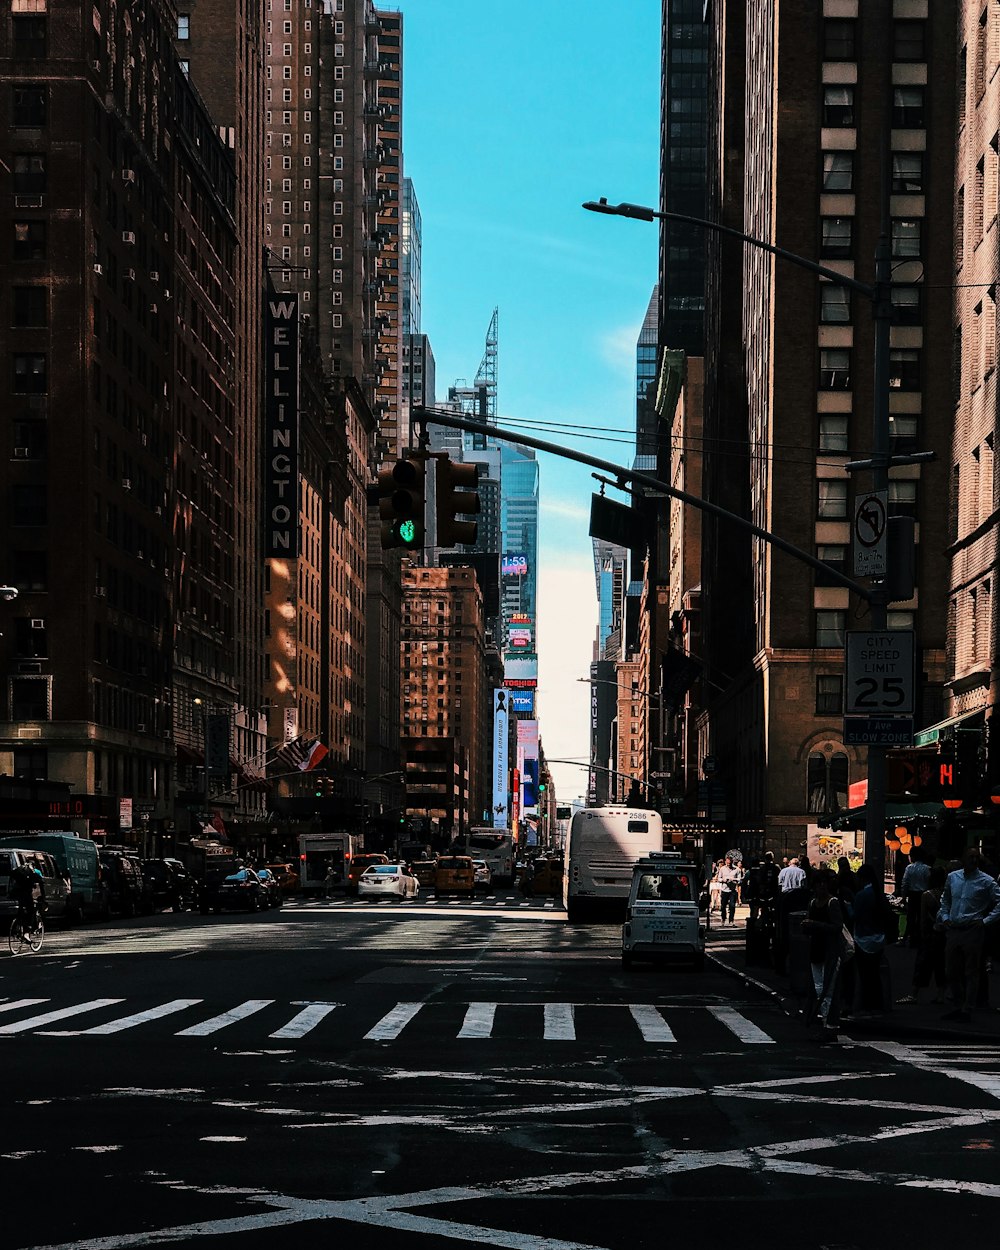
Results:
870 527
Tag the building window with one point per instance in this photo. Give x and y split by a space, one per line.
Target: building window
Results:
907 107
902 433
838 105
908 41
829 695
902 497
904 369
30 306
836 235
30 374
833 431
30 105
31 763
835 369
834 304
183 25
831 499
907 237
835 555
29 42
838 171
901 620
906 309
839 39
827 780
29 173
28 505
29 698
831 627
907 173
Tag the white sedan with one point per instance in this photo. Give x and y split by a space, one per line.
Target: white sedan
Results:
387 881
484 874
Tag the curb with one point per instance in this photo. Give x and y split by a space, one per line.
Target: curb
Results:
872 1028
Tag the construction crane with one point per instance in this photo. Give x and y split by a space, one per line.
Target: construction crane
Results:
480 399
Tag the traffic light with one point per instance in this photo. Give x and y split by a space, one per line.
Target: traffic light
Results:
454 496
400 497
323 787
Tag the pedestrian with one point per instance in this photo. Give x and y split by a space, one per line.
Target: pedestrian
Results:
872 914
930 960
824 925
916 878
970 902
792 877
330 880
715 890
729 878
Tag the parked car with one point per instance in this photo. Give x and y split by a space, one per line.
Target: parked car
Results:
239 891
288 878
358 865
388 881
53 884
166 883
455 875
121 874
424 870
484 877
271 895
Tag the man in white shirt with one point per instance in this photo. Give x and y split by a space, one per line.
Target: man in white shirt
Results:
970 902
791 878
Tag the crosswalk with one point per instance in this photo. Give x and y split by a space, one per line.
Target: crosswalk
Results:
487 902
645 1023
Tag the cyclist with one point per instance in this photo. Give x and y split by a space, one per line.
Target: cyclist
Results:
24 882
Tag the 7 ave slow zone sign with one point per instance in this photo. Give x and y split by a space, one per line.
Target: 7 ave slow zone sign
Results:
878 694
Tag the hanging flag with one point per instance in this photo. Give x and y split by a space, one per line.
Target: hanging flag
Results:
302 754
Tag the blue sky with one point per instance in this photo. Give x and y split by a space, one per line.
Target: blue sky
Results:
514 113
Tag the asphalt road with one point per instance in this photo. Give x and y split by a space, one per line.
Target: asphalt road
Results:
430 1074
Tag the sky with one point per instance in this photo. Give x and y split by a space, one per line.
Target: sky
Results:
514 113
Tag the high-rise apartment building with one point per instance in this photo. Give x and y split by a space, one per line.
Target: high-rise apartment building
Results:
973 684
822 87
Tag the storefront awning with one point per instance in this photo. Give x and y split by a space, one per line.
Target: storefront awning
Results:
895 813
932 734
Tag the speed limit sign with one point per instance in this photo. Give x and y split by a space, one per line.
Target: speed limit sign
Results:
879 673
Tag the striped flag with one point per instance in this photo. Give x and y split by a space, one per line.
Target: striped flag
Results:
302 754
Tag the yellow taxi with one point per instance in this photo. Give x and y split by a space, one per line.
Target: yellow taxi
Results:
455 874
425 871
358 864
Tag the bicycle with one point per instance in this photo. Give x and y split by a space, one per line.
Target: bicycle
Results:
25 931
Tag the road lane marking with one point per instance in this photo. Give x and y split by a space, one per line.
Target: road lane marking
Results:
310 1015
249 1008
22 1026
651 1024
130 1022
17 1003
737 1023
559 1023
478 1020
393 1023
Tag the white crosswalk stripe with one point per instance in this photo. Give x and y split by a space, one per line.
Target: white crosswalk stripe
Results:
557 1022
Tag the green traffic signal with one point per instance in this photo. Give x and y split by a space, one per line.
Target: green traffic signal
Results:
400 497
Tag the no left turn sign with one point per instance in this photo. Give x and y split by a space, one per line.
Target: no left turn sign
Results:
870 515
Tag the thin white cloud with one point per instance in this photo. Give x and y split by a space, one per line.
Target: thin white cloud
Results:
618 348
564 508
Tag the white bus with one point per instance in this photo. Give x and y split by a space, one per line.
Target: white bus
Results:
603 844
496 848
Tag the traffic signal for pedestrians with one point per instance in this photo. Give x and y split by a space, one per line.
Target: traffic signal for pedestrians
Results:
400 496
454 496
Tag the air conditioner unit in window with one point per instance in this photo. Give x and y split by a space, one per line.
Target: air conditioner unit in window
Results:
128 236
126 483
130 275
128 175
140 728
98 268
154 275
20 453
37 622
101 592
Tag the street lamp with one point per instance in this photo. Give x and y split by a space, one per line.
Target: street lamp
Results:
878 294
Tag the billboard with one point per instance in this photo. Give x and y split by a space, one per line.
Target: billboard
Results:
522 702
520 668
281 427
501 761
514 564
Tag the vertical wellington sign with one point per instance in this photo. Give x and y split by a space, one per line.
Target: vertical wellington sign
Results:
281 427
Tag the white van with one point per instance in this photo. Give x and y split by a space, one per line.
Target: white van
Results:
662 918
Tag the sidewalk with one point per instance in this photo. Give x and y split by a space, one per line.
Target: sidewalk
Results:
726 947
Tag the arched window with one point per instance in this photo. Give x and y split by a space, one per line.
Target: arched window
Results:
827 778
